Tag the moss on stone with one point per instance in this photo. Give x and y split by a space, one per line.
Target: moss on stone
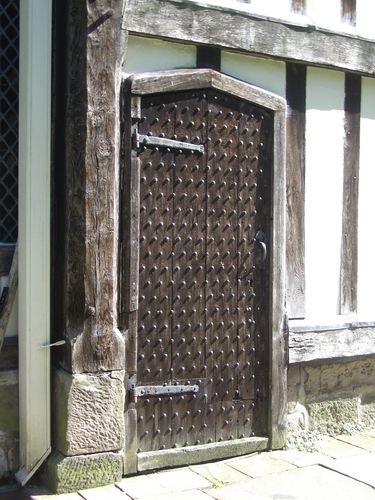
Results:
69 474
9 422
331 416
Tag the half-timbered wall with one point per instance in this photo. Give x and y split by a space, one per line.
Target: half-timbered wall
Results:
322 68
329 177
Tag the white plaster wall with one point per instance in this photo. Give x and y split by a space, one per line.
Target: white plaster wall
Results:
325 13
271 8
365 18
366 233
265 73
324 187
147 54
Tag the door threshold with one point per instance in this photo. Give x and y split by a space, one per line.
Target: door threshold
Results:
190 455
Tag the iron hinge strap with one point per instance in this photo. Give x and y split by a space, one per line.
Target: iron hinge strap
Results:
162 390
139 139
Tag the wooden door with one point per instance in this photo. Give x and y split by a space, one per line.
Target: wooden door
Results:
202 160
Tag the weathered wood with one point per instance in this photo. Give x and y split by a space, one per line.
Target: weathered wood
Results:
9 297
208 57
130 447
200 454
278 339
130 244
242 32
154 327
349 242
295 194
349 12
6 256
189 79
305 347
131 339
91 46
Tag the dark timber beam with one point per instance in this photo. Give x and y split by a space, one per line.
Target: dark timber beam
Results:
89 48
349 244
231 30
208 57
295 196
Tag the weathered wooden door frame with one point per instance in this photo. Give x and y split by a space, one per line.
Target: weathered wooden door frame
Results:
134 87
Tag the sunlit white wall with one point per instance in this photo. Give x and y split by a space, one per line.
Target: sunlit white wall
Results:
325 13
149 54
324 188
365 18
366 233
265 73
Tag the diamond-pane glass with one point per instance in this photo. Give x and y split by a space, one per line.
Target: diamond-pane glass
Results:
9 62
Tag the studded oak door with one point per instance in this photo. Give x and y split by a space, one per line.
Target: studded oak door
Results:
204 222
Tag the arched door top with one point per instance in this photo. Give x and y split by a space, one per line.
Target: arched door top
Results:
192 78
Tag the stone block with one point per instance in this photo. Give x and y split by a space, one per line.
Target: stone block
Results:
339 379
88 412
330 416
367 411
69 474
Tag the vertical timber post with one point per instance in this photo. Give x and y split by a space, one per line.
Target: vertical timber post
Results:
88 380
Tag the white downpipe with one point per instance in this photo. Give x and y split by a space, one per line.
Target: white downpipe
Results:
34 232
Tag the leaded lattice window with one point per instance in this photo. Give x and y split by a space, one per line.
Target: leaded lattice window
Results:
9 76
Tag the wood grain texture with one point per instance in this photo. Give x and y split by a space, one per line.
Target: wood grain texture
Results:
85 256
295 190
349 242
279 334
331 345
199 454
189 79
244 33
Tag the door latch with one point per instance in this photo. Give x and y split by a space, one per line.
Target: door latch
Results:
260 249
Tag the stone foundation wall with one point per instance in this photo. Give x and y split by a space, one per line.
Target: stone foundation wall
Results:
328 397
9 424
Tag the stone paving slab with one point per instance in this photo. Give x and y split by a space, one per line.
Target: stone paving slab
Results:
180 495
141 486
307 483
370 432
50 496
365 442
181 479
360 468
260 465
302 458
219 473
43 493
339 449
103 493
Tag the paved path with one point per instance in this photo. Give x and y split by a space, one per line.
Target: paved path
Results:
343 469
